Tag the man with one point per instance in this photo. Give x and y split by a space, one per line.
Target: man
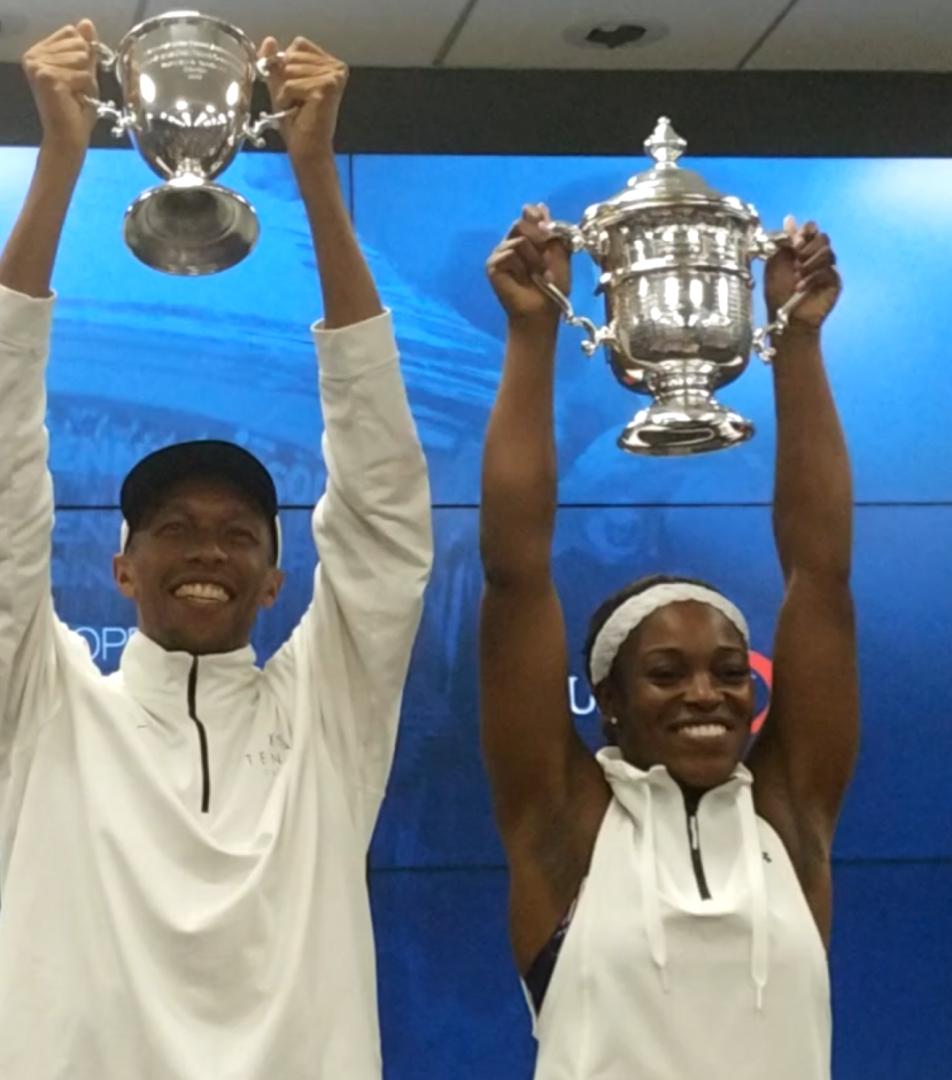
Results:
183 844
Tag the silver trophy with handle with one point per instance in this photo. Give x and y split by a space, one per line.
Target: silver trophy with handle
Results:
675 258
187 81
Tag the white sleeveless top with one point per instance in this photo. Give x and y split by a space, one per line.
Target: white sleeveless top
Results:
654 982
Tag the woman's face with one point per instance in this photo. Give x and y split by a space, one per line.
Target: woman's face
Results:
682 694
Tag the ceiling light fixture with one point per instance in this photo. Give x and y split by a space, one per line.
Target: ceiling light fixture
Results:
613 32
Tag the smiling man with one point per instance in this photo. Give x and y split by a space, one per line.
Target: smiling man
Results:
183 843
180 502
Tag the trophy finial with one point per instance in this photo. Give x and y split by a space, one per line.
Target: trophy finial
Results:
664 144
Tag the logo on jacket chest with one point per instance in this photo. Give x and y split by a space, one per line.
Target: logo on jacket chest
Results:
269 756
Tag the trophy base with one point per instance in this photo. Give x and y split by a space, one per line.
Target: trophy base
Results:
190 229
667 429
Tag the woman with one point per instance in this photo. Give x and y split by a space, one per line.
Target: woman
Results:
670 906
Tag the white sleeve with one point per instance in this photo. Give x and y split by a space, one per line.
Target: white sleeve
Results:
373 532
27 623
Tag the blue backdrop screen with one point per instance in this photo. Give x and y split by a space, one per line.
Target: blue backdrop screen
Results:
140 360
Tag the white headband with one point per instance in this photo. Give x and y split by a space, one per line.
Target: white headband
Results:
633 612
124 539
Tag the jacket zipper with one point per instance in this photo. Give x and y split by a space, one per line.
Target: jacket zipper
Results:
202 737
694 838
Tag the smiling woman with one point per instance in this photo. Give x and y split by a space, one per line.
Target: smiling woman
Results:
668 659
613 626
669 901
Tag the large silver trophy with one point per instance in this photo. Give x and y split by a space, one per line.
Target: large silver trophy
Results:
676 259
187 81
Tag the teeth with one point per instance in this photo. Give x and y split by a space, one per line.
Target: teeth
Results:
198 591
704 731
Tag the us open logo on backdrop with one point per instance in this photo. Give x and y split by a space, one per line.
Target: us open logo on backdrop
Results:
762 667
583 702
105 642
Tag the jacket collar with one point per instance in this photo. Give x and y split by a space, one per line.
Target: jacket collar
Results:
172 684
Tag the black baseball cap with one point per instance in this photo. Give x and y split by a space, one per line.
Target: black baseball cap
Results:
148 482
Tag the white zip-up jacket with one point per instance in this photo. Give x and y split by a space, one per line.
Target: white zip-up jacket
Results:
142 937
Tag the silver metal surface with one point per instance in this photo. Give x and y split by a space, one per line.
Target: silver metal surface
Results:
187 81
676 260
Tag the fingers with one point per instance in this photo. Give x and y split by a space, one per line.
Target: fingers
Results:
518 257
87 30
296 68
532 241
523 255
802 236
537 212
806 237
64 60
286 95
68 57
809 241
535 223
268 48
304 45
821 280
65 33
815 260
66 39
301 54
821 258
76 81
302 72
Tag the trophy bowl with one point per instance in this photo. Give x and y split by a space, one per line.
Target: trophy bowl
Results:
675 259
187 81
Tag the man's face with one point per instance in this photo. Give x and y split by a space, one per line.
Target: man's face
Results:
199 568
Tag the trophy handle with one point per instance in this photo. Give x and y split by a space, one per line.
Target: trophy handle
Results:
762 334
765 245
597 335
107 57
107 110
574 239
254 133
571 235
266 63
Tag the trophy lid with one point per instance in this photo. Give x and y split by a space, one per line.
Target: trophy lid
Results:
665 183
